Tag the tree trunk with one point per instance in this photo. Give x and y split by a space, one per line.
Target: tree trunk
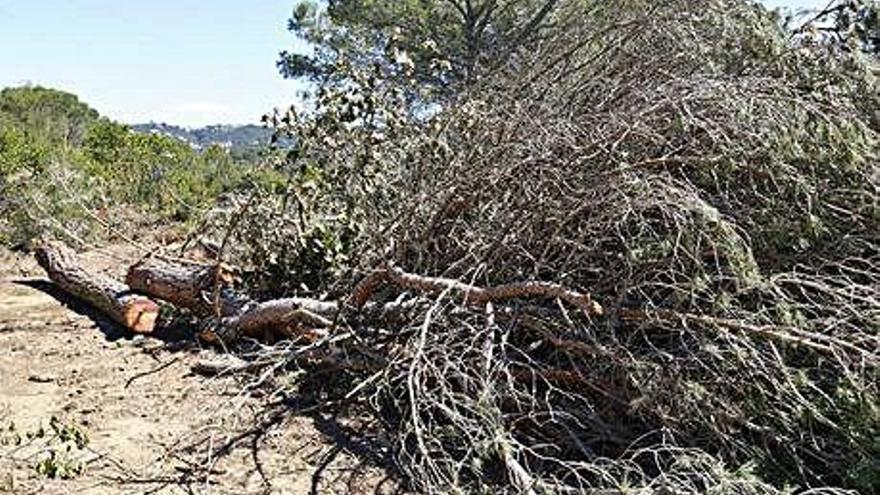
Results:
207 291
203 289
115 299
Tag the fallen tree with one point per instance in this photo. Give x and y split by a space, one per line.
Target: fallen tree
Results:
115 299
207 291
228 315
721 202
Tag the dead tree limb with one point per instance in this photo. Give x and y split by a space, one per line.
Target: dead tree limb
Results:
207 291
481 296
472 294
191 286
291 317
115 299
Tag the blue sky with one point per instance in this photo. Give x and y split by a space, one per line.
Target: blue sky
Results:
187 62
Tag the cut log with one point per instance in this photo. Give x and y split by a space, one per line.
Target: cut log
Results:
115 299
206 290
192 287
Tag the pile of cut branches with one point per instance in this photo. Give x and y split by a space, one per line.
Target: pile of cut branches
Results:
642 257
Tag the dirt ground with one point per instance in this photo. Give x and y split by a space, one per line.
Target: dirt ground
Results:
82 400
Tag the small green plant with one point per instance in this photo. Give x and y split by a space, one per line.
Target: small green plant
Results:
10 436
59 465
61 459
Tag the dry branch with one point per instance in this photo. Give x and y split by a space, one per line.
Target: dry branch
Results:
472 294
291 317
791 335
115 299
480 296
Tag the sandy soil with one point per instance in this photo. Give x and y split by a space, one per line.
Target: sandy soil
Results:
152 425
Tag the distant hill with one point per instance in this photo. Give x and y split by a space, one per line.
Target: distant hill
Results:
228 136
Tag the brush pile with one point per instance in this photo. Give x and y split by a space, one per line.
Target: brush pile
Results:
717 194
711 186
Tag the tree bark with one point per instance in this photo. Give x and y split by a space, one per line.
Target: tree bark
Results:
288 317
115 299
206 290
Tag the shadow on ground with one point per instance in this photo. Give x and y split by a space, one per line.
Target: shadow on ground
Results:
353 451
358 460
174 333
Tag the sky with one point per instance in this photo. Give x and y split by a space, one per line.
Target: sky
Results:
184 62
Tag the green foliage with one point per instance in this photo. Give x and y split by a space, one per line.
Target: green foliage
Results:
160 171
63 447
62 167
439 42
283 244
340 184
49 115
68 433
60 459
18 154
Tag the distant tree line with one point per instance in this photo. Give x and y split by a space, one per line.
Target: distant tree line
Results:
62 164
